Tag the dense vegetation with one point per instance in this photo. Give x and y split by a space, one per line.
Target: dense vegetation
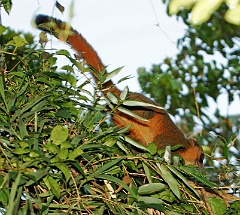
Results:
60 153
194 81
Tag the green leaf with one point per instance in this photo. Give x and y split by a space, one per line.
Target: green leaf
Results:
3 192
63 154
107 166
71 12
39 107
134 143
67 68
52 61
124 79
36 176
130 113
148 189
134 103
79 168
75 153
7 4
217 205
185 181
124 93
51 147
29 105
76 140
63 114
176 85
110 142
2 90
236 205
192 171
152 202
22 128
19 41
14 191
65 170
171 181
122 147
71 79
24 144
13 98
59 134
2 29
66 145
53 186
147 172
63 52
33 154
21 151
112 74
3 197
112 98
152 148
167 195
124 130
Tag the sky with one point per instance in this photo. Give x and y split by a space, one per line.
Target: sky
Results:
123 32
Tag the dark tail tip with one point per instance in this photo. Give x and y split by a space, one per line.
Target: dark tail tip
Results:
41 19
47 23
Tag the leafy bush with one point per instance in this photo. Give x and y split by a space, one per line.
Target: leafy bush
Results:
60 154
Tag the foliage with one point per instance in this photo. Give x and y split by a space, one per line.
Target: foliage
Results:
203 9
59 153
6 4
206 67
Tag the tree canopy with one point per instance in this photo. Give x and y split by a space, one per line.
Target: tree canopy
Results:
192 82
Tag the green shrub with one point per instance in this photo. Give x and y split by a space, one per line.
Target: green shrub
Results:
60 154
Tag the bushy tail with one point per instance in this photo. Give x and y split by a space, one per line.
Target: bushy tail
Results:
64 32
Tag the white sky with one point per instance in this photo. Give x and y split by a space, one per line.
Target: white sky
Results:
123 32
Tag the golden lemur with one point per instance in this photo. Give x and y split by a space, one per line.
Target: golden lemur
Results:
159 128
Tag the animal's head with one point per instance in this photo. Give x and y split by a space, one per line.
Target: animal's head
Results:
193 154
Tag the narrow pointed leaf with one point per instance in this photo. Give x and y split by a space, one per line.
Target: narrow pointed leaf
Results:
124 93
171 181
53 186
193 172
185 181
107 166
140 104
130 113
134 143
112 74
147 172
148 189
112 98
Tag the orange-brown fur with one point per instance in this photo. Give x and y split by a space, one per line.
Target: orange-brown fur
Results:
159 129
